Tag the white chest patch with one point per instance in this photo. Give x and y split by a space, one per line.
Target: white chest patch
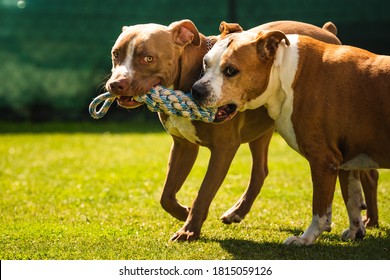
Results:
287 61
182 127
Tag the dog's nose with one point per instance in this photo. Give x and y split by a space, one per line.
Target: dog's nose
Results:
199 92
118 87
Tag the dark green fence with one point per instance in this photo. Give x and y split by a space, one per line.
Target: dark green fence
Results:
55 55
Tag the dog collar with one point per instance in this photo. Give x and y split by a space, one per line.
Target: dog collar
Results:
209 45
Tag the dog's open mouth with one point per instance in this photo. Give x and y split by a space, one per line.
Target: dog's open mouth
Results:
128 102
225 113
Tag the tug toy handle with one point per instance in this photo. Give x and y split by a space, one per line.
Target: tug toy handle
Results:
107 98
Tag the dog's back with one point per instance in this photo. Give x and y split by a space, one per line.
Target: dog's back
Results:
359 72
293 27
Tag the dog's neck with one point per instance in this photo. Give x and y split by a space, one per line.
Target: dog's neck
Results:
191 63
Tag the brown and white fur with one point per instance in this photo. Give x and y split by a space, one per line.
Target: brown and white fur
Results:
329 102
149 54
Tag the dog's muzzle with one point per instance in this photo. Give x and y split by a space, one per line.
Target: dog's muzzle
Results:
200 93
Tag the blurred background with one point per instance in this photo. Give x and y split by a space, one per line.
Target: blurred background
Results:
55 55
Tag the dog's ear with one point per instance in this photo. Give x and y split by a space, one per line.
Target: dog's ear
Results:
227 28
267 44
185 32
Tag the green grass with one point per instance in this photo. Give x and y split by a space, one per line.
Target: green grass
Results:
95 195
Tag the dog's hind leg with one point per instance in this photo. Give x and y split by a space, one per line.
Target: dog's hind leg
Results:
259 150
369 179
181 160
351 189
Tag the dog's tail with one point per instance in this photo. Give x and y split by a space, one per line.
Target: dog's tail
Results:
330 27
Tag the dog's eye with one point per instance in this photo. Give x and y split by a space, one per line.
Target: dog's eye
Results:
230 71
115 54
148 59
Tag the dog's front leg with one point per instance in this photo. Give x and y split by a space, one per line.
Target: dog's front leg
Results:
259 150
181 160
351 189
324 176
220 160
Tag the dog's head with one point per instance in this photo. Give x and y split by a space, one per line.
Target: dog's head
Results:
146 55
237 70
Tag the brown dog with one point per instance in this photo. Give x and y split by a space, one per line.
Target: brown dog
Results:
150 54
329 102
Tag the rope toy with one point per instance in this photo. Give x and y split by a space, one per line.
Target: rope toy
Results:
159 99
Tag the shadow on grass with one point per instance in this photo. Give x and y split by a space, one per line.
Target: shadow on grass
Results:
370 248
92 126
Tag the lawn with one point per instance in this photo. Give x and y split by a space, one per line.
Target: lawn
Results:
92 192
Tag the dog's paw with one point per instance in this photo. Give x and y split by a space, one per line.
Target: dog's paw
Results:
297 241
185 235
231 217
370 223
353 234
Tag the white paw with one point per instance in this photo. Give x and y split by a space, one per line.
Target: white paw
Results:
353 234
297 241
231 217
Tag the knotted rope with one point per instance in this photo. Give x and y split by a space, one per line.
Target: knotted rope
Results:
159 99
